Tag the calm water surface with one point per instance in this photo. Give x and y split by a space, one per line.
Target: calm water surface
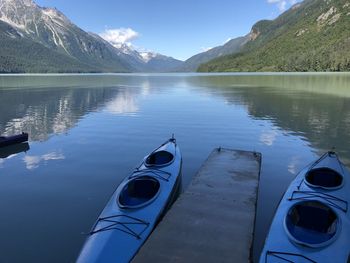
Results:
87 132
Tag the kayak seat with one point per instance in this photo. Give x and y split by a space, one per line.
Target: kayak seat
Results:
311 222
138 192
159 158
324 177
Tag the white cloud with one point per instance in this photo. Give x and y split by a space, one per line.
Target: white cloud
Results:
282 4
119 36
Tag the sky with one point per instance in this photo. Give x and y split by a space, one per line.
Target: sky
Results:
177 28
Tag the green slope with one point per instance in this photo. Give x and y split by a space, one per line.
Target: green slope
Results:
232 46
311 36
19 55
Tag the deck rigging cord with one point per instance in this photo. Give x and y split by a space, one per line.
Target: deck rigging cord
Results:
327 198
124 221
283 256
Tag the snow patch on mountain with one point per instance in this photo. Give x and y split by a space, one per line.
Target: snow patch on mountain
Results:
15 12
34 21
120 38
147 56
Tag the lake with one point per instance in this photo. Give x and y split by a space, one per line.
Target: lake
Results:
87 132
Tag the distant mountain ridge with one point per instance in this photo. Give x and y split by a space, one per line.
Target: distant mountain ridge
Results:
313 35
230 47
57 45
147 61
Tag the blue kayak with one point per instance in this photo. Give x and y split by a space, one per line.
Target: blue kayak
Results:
312 221
135 208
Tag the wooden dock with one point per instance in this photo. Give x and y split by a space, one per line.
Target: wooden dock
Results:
213 220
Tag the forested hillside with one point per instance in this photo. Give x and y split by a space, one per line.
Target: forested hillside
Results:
312 36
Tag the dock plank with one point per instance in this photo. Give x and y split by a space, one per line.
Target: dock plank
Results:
213 220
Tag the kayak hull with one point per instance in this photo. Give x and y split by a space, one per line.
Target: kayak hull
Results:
133 211
312 221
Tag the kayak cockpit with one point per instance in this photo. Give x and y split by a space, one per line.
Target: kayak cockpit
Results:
312 224
324 178
138 192
159 158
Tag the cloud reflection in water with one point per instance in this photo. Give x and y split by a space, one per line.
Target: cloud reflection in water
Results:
124 103
268 137
294 165
33 161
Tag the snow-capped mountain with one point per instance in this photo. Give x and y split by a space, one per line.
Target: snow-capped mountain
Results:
160 63
147 61
40 39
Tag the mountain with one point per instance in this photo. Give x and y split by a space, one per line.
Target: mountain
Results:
313 35
147 61
156 62
15 58
230 47
55 43
58 45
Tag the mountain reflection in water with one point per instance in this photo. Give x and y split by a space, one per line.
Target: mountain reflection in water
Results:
314 106
42 112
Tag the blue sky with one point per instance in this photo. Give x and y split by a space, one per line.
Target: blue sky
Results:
177 28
